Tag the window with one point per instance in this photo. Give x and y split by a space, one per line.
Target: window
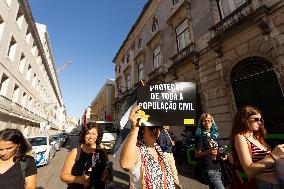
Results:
24 98
12 48
1 26
128 81
228 6
28 35
238 3
22 63
155 24
157 56
34 80
4 84
175 2
182 35
20 18
30 103
29 72
16 93
140 71
34 50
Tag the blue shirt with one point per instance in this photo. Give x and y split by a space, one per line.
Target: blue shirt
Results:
165 142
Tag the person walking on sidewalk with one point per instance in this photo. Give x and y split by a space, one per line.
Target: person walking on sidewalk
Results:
251 151
143 158
17 170
206 150
166 143
85 167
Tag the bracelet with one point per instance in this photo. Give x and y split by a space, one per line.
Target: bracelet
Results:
132 133
273 157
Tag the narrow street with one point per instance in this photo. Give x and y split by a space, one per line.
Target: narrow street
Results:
49 176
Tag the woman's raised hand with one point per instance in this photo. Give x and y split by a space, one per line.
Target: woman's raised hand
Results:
134 116
278 152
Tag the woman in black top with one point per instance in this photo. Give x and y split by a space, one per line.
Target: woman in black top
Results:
85 167
206 150
17 170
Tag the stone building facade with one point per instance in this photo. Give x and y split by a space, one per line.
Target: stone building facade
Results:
232 49
30 97
102 105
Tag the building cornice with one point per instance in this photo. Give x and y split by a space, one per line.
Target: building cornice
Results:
140 22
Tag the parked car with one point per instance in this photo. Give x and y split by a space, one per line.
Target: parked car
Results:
63 137
109 133
56 141
43 148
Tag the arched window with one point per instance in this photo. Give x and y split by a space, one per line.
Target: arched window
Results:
255 83
250 67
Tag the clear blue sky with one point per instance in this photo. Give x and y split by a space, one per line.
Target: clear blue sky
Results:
89 33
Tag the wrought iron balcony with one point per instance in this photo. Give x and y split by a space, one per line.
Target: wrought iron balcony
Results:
12 108
5 104
185 55
236 17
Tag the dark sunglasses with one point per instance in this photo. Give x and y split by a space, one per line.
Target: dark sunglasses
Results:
152 128
256 119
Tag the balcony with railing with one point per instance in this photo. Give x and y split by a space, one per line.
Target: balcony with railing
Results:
238 16
186 54
15 109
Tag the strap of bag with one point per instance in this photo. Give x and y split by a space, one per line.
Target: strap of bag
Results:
78 154
167 133
24 165
164 171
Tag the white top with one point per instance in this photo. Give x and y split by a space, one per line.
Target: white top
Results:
134 174
135 178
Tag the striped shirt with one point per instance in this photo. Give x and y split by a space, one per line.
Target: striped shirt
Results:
258 154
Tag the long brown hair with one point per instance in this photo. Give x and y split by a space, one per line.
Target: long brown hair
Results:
241 126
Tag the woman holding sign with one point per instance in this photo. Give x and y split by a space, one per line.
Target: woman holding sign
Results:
143 158
207 151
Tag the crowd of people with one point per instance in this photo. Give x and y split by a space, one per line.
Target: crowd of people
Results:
147 156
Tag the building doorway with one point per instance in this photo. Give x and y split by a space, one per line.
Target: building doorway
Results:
254 82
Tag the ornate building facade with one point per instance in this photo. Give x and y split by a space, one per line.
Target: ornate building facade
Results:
30 96
102 105
232 49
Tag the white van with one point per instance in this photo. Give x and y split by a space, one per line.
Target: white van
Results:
109 133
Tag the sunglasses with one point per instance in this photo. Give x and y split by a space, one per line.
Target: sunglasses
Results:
256 119
152 128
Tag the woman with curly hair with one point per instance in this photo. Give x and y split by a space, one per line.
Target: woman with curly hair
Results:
250 149
85 167
17 170
206 151
143 158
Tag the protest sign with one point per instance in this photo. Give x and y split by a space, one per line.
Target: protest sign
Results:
167 104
